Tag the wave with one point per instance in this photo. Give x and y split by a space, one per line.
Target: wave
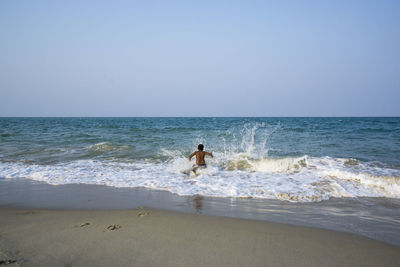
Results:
277 165
295 179
106 147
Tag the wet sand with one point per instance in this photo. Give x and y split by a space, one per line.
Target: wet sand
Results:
149 237
376 218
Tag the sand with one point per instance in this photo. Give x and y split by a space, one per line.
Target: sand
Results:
148 237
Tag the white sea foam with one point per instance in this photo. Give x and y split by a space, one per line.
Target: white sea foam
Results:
301 179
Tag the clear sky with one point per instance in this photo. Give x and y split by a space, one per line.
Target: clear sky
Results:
200 58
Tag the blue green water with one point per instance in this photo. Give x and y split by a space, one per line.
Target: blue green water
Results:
295 159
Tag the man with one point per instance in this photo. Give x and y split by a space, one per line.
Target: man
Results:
200 155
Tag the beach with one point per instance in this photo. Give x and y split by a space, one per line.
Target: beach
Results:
149 237
91 225
278 192
199 133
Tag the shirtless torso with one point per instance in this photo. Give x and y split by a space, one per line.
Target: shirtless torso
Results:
200 157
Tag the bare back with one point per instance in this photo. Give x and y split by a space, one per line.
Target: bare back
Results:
200 155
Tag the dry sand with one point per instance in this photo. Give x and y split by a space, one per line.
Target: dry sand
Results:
147 237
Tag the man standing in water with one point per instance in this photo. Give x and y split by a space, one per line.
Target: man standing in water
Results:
200 155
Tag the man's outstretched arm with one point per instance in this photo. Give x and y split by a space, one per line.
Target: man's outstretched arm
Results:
209 154
191 155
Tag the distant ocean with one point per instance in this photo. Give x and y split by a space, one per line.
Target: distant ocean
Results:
288 159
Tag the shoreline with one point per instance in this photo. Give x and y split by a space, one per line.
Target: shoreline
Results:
50 237
378 219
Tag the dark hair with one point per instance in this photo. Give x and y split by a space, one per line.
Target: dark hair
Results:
200 147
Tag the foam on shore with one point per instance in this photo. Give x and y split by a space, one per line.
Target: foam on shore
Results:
297 179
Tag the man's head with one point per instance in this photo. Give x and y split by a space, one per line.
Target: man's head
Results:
200 147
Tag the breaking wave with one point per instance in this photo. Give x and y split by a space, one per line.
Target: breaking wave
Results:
302 179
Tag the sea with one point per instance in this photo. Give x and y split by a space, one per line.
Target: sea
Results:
298 160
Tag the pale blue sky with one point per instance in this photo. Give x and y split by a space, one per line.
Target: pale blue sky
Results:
200 58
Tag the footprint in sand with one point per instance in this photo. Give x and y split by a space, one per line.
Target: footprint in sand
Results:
113 227
82 225
141 214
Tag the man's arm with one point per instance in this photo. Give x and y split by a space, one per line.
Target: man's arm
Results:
191 155
209 154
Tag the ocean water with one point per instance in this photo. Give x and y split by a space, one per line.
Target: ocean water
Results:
287 159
